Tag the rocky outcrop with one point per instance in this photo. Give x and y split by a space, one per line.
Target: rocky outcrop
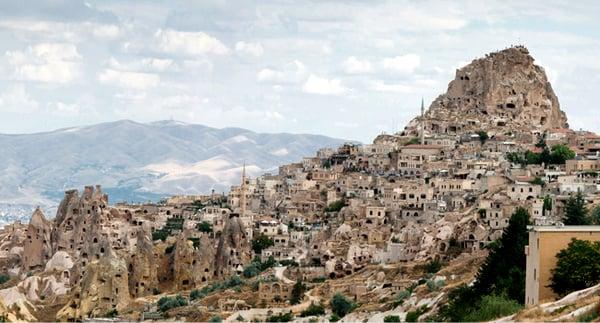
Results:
37 248
234 250
193 261
103 288
503 91
79 219
142 267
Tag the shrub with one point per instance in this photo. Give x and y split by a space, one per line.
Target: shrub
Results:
334 318
433 266
335 206
204 226
340 305
169 249
313 310
261 242
196 294
287 317
155 291
167 303
4 279
112 313
435 285
392 318
403 295
413 316
318 280
215 318
297 292
492 307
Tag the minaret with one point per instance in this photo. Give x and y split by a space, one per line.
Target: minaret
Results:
243 192
422 122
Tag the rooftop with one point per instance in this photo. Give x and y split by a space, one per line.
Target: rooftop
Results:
564 228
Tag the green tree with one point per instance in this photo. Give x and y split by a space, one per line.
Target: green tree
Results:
483 136
297 292
575 211
392 318
560 154
577 267
547 207
261 242
313 310
340 305
595 216
204 226
503 271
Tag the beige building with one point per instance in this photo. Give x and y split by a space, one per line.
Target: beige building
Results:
544 243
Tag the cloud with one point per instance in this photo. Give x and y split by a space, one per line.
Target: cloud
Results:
293 72
132 80
16 99
249 49
189 43
380 86
64 109
149 64
353 65
105 31
404 64
45 62
324 86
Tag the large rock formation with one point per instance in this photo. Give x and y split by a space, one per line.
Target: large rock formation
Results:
193 261
234 250
103 288
37 248
503 91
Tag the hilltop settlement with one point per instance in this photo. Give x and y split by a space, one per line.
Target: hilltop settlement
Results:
402 229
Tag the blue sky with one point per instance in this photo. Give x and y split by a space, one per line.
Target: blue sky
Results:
349 69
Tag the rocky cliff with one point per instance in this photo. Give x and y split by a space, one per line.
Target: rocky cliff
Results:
500 92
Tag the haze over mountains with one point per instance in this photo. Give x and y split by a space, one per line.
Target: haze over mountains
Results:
136 161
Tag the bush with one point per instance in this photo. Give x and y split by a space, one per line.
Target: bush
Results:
167 303
413 316
335 206
287 317
4 279
297 292
313 310
204 226
576 267
492 307
261 242
401 297
112 313
215 318
392 318
169 249
432 267
435 285
340 305
196 294
155 291
334 318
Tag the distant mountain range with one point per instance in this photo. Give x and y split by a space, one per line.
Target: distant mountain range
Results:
138 162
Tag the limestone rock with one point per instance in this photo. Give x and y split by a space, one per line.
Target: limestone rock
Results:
37 248
193 262
501 92
234 250
103 288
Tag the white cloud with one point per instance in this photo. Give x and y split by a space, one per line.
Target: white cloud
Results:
292 72
149 64
105 31
320 85
133 80
249 49
343 124
381 86
353 65
16 99
403 64
45 62
189 43
64 109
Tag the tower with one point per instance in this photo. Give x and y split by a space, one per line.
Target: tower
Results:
243 192
422 122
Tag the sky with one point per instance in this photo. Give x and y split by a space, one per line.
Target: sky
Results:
349 69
